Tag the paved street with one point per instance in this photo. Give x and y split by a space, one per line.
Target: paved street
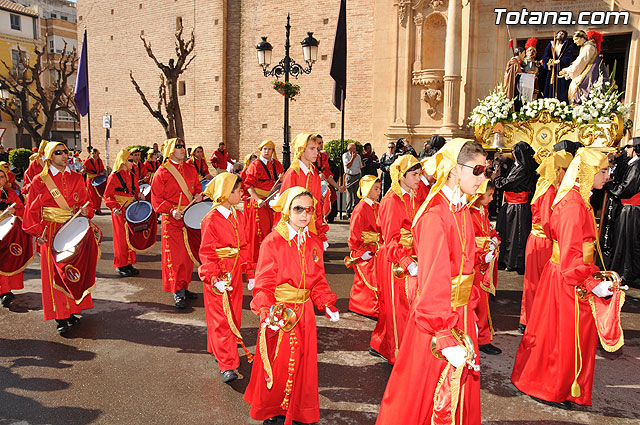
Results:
135 359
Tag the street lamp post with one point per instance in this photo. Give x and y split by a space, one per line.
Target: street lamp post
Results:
287 67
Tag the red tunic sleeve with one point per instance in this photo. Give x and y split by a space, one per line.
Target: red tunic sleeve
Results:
391 219
544 209
12 197
362 219
113 183
217 232
162 182
90 166
569 212
273 252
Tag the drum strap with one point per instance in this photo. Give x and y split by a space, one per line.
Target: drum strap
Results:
180 179
275 173
124 187
3 199
200 169
55 193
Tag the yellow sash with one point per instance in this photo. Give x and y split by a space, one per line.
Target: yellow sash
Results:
55 215
124 201
180 179
461 290
286 293
406 238
55 193
588 249
369 238
262 193
228 252
537 231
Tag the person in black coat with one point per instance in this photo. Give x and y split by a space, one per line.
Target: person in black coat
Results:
625 255
514 219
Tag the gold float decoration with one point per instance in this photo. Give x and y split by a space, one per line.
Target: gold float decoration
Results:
544 131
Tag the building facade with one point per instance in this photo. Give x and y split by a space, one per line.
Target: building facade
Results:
415 67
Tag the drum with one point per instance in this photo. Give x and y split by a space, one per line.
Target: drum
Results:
68 238
194 215
139 215
204 183
145 189
6 225
100 184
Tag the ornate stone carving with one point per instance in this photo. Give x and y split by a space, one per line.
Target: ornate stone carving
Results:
436 4
418 19
402 10
433 82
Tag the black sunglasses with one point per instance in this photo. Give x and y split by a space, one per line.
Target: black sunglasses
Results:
298 209
628 146
477 169
180 146
61 152
129 160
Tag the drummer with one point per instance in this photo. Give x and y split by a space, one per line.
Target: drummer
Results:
122 189
11 178
261 176
9 283
174 186
139 169
152 163
94 167
198 159
44 216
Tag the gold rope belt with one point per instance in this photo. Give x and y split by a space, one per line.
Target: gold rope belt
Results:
228 252
537 231
588 249
286 293
369 238
55 215
461 290
406 238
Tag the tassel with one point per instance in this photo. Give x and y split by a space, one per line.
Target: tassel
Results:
575 389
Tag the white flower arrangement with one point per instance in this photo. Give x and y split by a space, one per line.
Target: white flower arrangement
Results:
493 109
602 102
556 108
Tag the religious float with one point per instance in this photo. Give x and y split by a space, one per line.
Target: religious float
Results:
600 122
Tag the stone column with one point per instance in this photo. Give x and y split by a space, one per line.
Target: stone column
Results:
452 70
418 20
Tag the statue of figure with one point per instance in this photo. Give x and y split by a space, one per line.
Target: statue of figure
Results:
557 55
587 68
511 72
529 83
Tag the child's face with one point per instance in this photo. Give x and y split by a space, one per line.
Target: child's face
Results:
374 193
486 198
236 196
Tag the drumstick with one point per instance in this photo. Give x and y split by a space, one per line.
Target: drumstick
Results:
6 209
74 216
352 183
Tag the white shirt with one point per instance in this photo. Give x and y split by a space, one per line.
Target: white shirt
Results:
226 212
293 233
448 192
425 181
404 192
368 201
54 171
264 160
356 165
634 159
306 170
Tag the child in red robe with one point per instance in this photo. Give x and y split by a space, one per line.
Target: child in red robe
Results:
436 378
556 357
364 242
224 256
486 272
303 173
35 167
539 244
94 167
290 281
395 216
121 191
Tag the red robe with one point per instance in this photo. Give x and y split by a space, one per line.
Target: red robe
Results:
140 170
55 304
34 168
281 264
538 250
9 283
408 398
482 229
201 167
323 166
123 255
151 167
313 183
395 214
423 190
220 232
546 357
177 266
93 168
259 221
220 159
364 298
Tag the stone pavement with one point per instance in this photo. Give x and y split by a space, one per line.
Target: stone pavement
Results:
135 359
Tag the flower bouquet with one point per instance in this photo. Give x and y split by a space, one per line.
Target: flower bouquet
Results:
287 89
